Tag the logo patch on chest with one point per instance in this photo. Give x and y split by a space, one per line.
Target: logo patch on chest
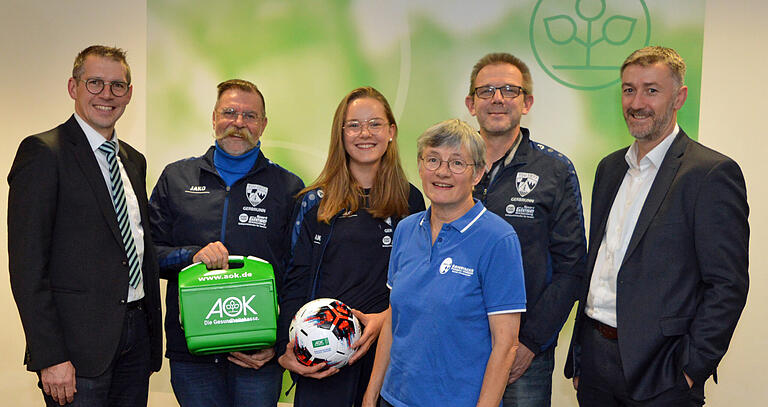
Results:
258 221
255 193
520 211
197 189
526 182
448 265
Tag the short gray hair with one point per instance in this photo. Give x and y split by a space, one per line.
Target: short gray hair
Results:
454 133
658 55
240 84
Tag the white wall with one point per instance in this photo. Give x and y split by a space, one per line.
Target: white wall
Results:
38 43
733 112
39 40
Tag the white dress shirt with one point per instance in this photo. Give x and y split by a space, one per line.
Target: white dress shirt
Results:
134 215
601 300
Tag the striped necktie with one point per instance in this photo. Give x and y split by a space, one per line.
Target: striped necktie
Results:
109 148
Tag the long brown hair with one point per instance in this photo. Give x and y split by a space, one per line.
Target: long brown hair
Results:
389 194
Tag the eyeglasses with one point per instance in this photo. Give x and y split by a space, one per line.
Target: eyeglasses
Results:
95 86
456 166
232 114
354 127
507 91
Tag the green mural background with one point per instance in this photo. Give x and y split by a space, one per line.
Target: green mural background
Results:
306 55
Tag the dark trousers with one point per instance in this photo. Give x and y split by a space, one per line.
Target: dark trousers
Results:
602 382
225 384
344 389
126 381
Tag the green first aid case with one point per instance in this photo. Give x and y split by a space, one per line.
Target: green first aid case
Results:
228 310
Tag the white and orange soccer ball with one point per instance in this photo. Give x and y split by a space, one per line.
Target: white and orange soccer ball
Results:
322 331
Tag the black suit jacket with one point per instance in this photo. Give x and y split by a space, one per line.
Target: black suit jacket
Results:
68 266
683 282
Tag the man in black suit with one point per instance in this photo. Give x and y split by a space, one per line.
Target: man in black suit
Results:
668 254
83 269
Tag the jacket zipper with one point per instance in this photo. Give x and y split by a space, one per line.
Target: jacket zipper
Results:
224 217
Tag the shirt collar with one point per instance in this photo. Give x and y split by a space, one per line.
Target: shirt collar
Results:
655 156
95 139
461 224
510 154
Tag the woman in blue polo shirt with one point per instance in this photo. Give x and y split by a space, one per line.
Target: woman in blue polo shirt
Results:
457 287
342 239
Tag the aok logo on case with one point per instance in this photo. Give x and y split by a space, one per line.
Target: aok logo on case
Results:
232 307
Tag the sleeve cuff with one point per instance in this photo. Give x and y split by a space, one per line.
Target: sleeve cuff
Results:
699 369
505 309
530 344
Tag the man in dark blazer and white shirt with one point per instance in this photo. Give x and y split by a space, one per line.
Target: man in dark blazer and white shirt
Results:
668 254
82 265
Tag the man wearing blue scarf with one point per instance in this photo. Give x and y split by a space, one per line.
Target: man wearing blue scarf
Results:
231 200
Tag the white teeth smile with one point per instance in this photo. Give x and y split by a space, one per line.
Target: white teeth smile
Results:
365 145
104 108
437 184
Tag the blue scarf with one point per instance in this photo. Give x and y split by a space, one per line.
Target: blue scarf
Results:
230 167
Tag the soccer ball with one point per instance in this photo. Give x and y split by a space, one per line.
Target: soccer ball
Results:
322 331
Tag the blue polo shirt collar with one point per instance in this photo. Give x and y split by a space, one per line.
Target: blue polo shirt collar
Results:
461 224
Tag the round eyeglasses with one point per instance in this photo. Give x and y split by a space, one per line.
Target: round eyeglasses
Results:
95 86
354 127
507 91
456 165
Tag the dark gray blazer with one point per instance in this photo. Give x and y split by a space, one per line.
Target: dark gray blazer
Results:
683 282
68 266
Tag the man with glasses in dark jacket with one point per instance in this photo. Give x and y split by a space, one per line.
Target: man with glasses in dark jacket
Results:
231 200
535 189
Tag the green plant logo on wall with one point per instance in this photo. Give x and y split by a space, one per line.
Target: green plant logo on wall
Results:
582 43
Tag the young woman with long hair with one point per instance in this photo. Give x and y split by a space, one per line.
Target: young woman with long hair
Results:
342 238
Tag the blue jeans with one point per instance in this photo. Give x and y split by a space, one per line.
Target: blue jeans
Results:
126 381
534 387
225 384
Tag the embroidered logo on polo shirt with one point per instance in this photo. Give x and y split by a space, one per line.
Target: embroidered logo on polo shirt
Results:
447 265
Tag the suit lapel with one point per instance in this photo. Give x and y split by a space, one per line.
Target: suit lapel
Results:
658 192
89 166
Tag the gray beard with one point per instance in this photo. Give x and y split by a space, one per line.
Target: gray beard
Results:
654 132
